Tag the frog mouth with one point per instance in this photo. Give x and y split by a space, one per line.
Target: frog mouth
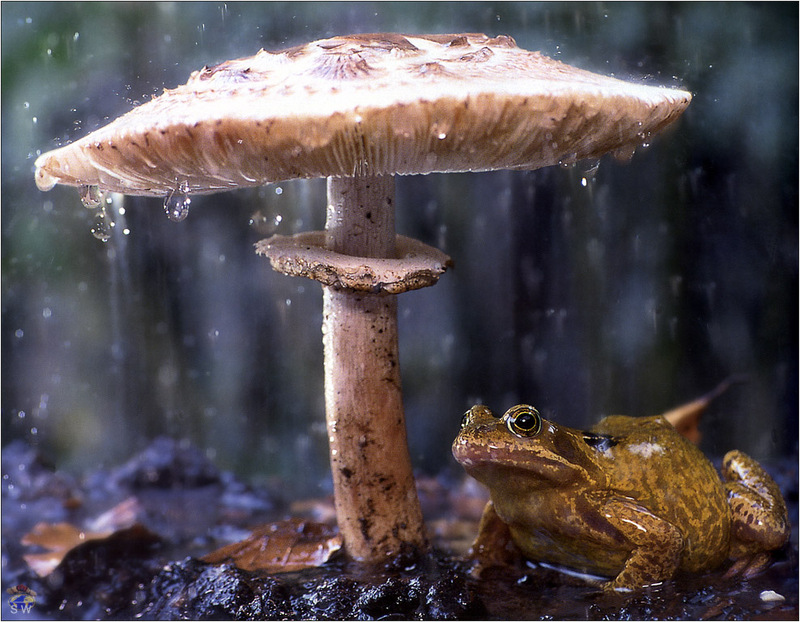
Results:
496 464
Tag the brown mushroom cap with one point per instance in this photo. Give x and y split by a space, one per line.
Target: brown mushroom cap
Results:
364 105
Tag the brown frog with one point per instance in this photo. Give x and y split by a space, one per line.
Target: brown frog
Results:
630 499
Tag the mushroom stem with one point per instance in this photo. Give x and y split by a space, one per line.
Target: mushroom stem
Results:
376 502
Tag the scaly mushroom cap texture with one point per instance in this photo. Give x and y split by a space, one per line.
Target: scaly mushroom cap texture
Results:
364 105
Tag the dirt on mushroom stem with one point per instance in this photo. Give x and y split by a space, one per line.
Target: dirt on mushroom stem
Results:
376 503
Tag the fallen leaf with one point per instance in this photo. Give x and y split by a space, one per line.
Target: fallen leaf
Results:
58 539
121 516
284 546
686 418
72 546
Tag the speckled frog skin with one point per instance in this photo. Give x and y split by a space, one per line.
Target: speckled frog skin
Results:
630 499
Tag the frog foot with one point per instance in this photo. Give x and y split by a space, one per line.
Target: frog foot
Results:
657 545
493 546
759 519
749 566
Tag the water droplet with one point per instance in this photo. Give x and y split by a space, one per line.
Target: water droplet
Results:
176 205
101 228
91 197
265 224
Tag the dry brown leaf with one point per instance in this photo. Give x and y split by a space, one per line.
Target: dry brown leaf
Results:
284 546
121 516
58 539
686 418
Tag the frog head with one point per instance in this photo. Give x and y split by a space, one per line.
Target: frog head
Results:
523 447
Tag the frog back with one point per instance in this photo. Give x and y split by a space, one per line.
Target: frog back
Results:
653 464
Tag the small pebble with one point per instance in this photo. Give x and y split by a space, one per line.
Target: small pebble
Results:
768 596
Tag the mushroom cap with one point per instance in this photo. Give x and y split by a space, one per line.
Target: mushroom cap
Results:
372 104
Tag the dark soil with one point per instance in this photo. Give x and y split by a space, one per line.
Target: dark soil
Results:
184 507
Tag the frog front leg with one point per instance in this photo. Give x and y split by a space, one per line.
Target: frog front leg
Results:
493 546
759 519
657 544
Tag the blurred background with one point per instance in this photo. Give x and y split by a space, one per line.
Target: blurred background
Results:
635 290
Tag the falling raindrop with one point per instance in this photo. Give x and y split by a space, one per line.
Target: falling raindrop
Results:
102 226
265 224
91 197
176 205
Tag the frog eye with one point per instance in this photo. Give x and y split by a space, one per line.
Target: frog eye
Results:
523 421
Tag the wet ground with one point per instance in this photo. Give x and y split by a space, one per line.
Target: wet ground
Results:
169 506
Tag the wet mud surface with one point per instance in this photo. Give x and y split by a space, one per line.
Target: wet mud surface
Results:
168 506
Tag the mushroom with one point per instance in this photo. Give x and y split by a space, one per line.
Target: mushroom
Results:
358 110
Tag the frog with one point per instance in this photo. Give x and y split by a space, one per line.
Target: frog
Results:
629 500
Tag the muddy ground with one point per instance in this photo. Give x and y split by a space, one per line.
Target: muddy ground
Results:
169 506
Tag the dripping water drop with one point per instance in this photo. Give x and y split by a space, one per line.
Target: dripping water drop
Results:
101 228
91 197
265 224
176 205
